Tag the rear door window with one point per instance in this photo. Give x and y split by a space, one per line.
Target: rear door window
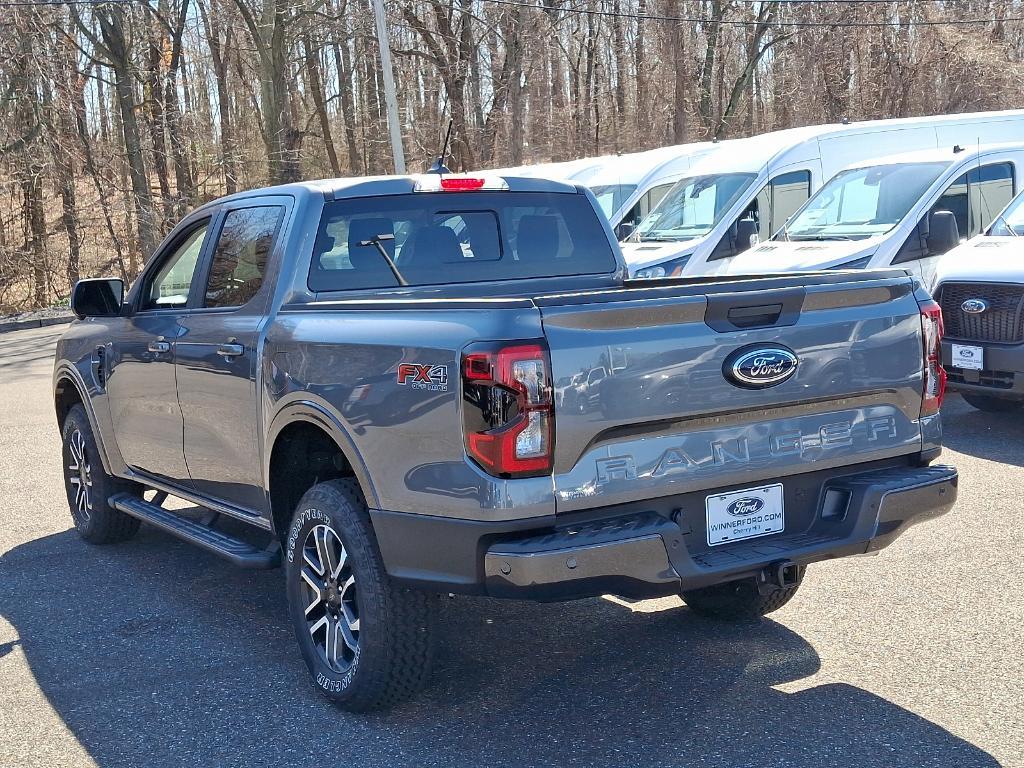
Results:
456 237
240 258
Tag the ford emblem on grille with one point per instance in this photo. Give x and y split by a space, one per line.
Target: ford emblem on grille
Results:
745 506
974 306
760 366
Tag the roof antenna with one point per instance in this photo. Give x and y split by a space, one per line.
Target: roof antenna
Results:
439 167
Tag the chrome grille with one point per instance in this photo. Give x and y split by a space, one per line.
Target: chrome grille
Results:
1003 321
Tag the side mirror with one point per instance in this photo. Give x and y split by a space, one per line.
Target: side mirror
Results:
97 297
746 234
943 234
624 230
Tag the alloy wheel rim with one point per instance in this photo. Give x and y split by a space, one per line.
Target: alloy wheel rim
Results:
329 592
80 475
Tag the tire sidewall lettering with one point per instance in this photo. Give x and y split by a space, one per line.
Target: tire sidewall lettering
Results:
308 515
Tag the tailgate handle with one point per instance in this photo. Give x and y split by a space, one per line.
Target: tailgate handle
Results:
755 309
753 317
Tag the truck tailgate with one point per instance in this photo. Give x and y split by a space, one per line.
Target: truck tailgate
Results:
647 404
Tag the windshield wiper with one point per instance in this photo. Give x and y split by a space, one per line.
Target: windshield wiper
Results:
378 241
820 238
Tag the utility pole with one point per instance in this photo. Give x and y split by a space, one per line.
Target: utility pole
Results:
390 96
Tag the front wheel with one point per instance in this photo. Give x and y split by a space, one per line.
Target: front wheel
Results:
739 599
991 404
89 487
365 640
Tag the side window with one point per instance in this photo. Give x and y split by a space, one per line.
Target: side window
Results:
954 200
789 192
777 201
990 189
240 259
977 196
170 286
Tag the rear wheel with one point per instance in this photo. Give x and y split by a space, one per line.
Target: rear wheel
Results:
365 640
739 599
89 487
991 404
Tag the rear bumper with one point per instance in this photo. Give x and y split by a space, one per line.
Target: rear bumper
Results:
647 553
1003 375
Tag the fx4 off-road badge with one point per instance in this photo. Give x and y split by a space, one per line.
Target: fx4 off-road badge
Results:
433 378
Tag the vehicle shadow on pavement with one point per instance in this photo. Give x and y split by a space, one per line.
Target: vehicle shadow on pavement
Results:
154 653
970 431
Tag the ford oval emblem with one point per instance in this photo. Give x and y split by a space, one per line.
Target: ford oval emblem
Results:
745 506
760 366
974 306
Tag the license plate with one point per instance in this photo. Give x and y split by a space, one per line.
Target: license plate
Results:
745 514
969 358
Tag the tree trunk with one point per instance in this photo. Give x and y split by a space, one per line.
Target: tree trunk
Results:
112 28
316 91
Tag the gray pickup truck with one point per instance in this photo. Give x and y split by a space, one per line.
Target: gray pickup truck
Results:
356 379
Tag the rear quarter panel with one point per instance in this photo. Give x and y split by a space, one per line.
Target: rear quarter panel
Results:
344 357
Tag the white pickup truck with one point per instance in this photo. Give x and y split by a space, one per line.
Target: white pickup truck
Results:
980 286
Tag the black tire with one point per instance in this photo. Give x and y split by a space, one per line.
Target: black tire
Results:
739 599
95 520
393 625
991 404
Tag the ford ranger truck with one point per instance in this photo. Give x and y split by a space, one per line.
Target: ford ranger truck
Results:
354 380
980 285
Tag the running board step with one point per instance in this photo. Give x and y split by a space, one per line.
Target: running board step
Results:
239 552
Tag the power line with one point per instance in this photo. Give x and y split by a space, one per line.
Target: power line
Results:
750 22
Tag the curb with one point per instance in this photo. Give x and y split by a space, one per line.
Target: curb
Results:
17 325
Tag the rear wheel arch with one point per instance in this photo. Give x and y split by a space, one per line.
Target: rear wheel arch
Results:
306 446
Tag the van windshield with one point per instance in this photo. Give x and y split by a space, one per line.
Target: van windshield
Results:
1011 222
693 207
863 202
611 196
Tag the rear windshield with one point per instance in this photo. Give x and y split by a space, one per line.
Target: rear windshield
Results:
457 237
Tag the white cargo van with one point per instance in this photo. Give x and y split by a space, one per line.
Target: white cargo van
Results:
627 186
747 189
904 210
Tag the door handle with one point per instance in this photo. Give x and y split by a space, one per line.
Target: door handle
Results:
230 350
159 346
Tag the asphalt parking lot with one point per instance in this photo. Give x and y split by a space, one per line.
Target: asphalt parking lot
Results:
153 653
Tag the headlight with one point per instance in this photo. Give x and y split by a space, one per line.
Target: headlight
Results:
855 264
666 269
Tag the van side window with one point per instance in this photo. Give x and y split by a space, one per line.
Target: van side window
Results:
777 201
647 203
789 192
954 200
990 190
975 197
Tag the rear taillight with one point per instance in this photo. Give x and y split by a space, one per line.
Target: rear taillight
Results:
934 373
507 413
